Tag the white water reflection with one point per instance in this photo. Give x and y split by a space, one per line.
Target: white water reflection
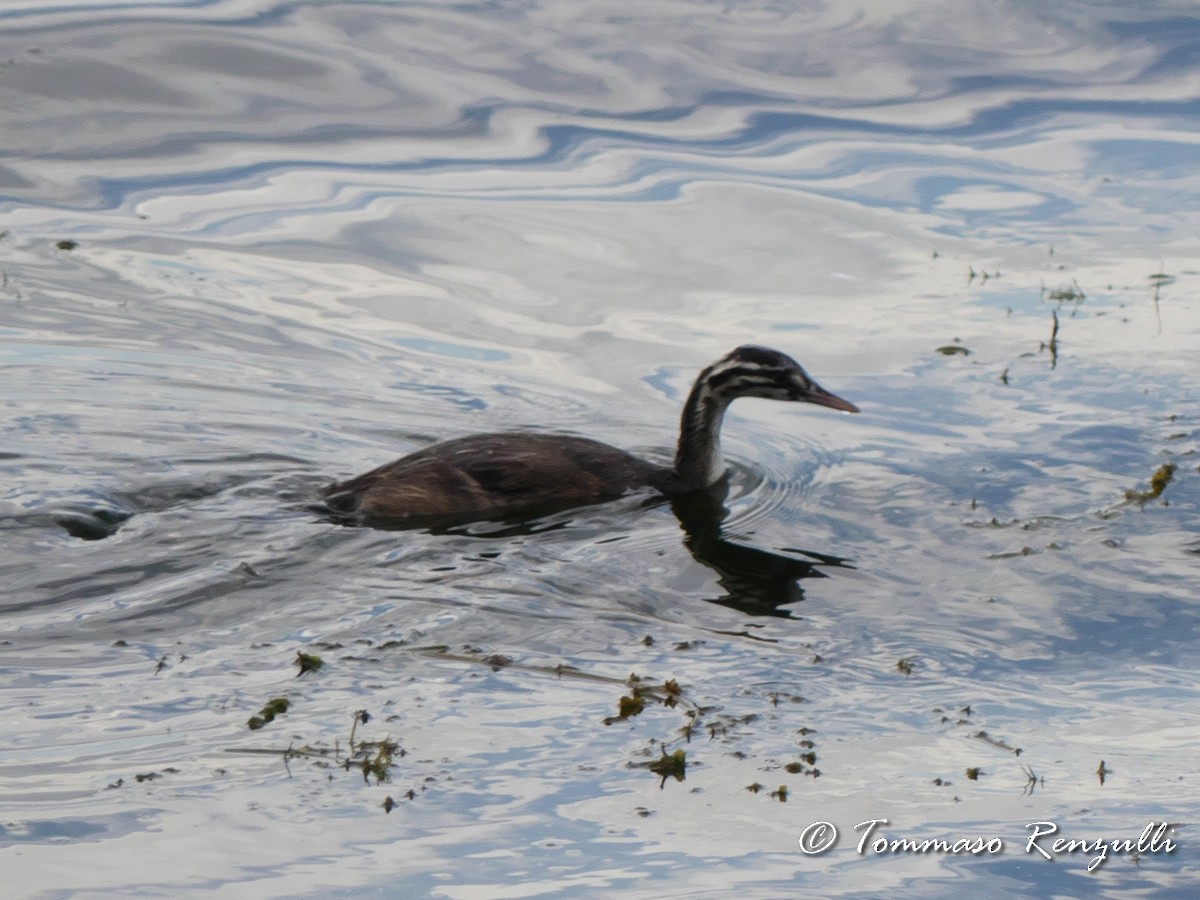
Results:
309 237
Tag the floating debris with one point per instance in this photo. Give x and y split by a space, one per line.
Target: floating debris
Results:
672 692
67 244
669 766
361 717
953 350
633 704
1158 483
1158 281
1053 345
1012 554
628 707
988 739
267 714
1033 523
905 665
1071 294
804 766
372 758
379 764
1031 780
308 662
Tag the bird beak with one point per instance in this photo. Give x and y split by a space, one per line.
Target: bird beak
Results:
818 395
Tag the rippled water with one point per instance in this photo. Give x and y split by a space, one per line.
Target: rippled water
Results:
248 249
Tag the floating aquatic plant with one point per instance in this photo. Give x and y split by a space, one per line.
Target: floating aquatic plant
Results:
1158 483
308 662
267 714
953 350
672 765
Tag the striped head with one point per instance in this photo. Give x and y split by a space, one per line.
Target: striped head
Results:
751 371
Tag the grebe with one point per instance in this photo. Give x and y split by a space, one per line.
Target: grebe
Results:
490 475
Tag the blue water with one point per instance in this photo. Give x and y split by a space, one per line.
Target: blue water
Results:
246 250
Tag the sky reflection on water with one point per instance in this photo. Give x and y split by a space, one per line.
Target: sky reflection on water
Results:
309 237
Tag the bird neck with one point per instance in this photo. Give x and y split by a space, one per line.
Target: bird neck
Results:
698 461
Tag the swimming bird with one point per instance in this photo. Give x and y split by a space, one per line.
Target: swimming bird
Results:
487 476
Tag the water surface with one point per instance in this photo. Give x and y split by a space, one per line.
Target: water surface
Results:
249 249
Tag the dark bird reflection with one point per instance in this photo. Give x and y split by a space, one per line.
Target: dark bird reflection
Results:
757 582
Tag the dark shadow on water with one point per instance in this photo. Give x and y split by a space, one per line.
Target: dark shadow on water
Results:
92 524
756 581
88 520
102 514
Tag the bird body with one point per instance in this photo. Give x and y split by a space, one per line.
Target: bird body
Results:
508 474
494 474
